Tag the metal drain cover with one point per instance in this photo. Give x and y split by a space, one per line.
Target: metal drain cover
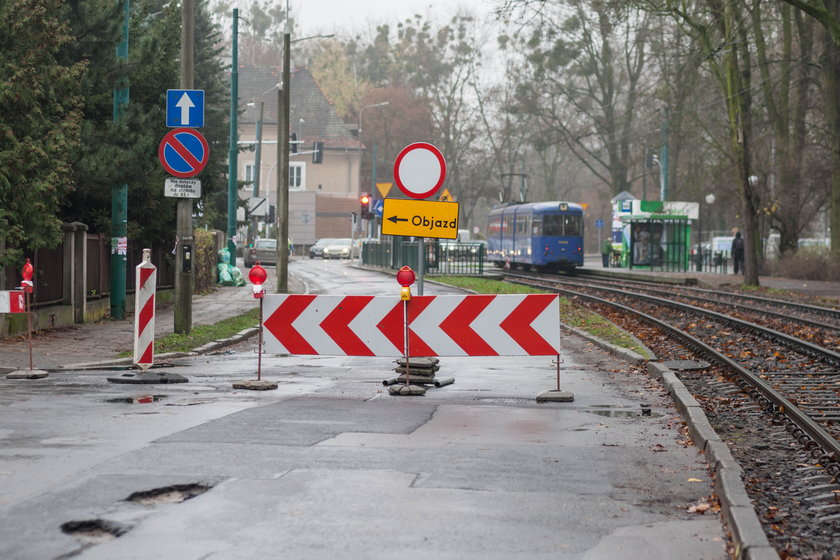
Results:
685 365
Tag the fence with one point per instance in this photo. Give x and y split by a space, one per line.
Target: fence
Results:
441 257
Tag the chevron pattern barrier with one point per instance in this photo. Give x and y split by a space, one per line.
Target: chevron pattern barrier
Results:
468 325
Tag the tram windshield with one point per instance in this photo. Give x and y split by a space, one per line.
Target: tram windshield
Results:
561 224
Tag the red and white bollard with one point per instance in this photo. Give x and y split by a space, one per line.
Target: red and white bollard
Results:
144 312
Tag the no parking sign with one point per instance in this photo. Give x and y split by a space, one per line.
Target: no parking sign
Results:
184 152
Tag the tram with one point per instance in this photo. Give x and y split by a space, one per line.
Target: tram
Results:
547 236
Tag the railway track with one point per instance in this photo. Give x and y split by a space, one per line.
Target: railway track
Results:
768 378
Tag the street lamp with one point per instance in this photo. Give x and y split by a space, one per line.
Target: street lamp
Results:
282 211
710 199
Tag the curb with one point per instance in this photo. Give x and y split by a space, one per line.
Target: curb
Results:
747 534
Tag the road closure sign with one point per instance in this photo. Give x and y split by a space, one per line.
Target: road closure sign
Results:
419 170
182 188
420 218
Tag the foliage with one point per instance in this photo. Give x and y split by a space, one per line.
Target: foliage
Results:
205 259
806 264
41 111
125 152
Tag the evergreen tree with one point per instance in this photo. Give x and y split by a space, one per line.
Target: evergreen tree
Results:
41 112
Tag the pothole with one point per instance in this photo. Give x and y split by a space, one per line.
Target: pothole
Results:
168 494
94 530
142 399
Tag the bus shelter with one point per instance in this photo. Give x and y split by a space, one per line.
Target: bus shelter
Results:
656 242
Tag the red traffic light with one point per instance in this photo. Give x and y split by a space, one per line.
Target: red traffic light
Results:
365 199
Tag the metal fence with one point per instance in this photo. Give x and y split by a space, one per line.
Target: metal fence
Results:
49 270
441 258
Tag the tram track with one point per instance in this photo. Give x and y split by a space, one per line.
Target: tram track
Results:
771 396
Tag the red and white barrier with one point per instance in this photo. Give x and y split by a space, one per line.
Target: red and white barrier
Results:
473 325
12 301
144 312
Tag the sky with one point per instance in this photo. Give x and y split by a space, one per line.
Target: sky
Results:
348 17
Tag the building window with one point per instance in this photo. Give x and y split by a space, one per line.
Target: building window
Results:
249 176
297 176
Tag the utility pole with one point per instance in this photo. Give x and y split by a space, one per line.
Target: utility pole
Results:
282 214
184 278
119 193
257 171
233 160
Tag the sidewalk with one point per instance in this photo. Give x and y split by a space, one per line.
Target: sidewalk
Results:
104 340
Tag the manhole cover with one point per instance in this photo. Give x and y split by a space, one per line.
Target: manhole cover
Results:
685 365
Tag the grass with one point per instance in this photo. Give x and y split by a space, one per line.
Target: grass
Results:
203 334
570 314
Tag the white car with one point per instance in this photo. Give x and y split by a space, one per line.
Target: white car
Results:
339 249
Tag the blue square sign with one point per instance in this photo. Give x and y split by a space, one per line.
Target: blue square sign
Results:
185 108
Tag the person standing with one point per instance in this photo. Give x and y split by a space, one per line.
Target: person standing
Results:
606 252
738 253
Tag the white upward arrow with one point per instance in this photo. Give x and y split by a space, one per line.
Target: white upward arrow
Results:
185 104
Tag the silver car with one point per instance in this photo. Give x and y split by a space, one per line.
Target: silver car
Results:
263 251
339 249
317 250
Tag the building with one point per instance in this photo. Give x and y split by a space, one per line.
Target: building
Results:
323 166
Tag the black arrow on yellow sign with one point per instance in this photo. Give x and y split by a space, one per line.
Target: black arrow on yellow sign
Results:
395 219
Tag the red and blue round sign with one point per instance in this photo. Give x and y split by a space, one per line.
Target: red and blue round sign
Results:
184 152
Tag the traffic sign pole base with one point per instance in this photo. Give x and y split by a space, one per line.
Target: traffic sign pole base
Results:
407 390
27 374
556 396
255 385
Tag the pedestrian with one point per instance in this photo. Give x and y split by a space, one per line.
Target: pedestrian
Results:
606 252
738 253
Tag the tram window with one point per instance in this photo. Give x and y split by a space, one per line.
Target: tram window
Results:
495 226
552 224
507 226
571 225
522 226
536 228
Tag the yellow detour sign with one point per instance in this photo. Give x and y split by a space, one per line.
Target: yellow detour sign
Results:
384 188
420 218
446 196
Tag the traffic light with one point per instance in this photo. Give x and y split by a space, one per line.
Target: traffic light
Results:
364 206
293 143
318 152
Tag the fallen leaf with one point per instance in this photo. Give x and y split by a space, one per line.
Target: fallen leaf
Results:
695 480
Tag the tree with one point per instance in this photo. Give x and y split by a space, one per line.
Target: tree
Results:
40 127
586 66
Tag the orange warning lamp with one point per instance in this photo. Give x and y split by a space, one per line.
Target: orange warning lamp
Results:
27 277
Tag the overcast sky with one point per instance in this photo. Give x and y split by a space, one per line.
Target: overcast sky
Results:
352 16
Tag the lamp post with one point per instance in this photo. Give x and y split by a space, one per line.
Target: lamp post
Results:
710 199
282 213
373 162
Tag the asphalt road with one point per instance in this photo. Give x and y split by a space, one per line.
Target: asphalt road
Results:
331 466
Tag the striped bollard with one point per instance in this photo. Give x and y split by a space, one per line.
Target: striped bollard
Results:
144 312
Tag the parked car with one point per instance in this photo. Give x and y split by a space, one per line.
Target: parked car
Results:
339 249
317 250
263 251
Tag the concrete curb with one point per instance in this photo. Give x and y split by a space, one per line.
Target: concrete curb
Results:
747 534
623 353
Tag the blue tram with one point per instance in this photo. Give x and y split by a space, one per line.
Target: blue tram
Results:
544 235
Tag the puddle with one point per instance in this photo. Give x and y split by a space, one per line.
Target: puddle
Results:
624 413
142 399
94 530
168 494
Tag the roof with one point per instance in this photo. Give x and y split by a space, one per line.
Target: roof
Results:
307 102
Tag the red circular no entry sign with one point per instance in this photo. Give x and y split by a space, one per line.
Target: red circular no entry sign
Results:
419 170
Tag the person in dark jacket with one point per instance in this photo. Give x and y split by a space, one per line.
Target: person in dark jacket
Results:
606 252
738 253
